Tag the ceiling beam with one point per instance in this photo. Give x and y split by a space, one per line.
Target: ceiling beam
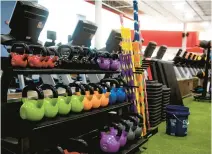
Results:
194 10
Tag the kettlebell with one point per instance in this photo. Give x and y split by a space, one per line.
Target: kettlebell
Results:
113 95
19 58
32 110
114 62
88 99
50 104
105 94
97 97
64 101
77 99
103 61
37 55
138 126
129 129
121 93
119 133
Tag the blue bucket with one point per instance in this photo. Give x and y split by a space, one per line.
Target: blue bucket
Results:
177 120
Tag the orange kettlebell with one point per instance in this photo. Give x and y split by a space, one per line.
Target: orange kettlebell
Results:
105 95
97 95
88 99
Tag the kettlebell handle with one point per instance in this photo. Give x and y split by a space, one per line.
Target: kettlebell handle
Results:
52 88
127 127
114 81
61 47
115 125
107 86
88 88
67 88
78 87
32 88
43 50
96 86
23 45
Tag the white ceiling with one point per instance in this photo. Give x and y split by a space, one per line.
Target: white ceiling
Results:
178 10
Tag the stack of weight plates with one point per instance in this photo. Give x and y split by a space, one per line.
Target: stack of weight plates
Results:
154 98
166 101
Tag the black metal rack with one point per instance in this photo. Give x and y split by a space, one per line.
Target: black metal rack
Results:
32 136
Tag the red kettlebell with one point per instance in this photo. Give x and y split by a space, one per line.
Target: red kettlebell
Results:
37 56
53 57
19 53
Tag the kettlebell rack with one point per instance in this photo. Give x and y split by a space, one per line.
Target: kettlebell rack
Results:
28 137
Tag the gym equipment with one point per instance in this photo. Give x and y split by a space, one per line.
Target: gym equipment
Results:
77 99
52 35
103 61
19 58
32 109
105 95
207 46
113 95
114 62
23 32
113 41
64 101
88 99
97 95
109 143
83 33
37 55
121 135
50 104
52 57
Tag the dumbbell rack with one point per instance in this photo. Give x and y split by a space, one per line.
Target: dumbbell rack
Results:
31 136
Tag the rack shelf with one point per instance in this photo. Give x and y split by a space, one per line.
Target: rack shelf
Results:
60 71
24 127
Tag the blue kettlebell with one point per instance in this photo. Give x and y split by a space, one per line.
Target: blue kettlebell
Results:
113 95
121 92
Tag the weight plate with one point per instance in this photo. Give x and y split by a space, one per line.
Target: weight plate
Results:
166 92
156 113
154 95
153 89
166 99
156 85
154 92
151 81
151 105
155 118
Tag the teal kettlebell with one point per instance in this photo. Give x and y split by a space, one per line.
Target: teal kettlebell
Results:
64 101
50 104
32 109
78 97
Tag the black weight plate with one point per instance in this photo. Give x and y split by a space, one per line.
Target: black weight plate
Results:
154 92
159 96
154 123
166 100
155 102
166 97
165 104
155 113
154 108
151 81
166 89
155 99
154 85
155 118
166 93
154 105
158 86
153 89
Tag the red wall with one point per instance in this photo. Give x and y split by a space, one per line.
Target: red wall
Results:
168 38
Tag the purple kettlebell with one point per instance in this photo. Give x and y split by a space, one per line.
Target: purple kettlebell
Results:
108 143
122 139
114 64
104 63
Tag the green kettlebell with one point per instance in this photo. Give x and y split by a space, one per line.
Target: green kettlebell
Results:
77 99
64 102
50 104
32 110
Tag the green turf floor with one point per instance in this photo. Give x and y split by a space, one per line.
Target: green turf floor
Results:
198 140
